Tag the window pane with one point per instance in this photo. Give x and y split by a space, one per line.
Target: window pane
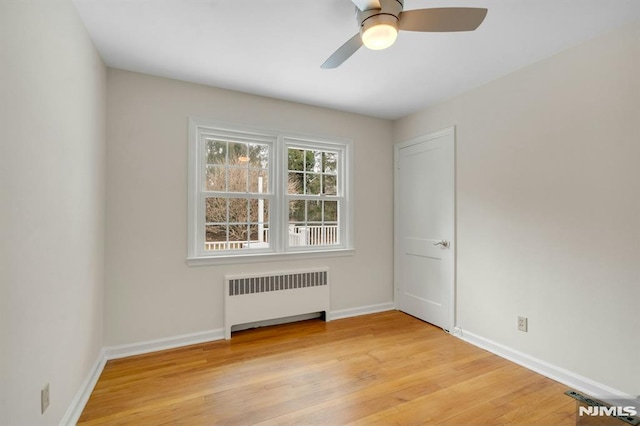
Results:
297 211
317 161
216 233
257 206
259 235
329 184
238 236
312 183
216 152
258 181
238 154
253 233
216 210
295 183
258 155
215 237
297 234
331 234
238 210
296 157
266 211
216 178
314 212
330 211
314 234
329 162
238 179
309 161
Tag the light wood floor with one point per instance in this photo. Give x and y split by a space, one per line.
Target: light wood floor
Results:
386 368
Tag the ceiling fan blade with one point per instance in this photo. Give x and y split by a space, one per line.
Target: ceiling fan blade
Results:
343 53
443 19
367 4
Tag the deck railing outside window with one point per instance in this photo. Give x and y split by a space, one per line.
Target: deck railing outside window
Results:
298 236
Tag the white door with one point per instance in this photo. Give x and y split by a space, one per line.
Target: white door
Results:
425 227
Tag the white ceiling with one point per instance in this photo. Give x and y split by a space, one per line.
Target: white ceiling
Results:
275 47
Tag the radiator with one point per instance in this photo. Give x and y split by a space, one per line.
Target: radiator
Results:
251 298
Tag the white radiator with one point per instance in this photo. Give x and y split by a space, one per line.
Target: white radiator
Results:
251 298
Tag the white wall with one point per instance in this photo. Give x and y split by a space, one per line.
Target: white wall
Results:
52 135
548 215
151 292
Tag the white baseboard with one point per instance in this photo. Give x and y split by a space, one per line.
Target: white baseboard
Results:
361 310
559 374
82 396
122 351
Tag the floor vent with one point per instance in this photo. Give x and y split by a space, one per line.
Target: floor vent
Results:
262 297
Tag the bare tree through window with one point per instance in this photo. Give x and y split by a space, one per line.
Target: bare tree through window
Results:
238 173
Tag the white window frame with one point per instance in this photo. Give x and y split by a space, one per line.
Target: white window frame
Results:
279 142
340 189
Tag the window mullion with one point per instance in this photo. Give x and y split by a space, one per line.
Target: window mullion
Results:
282 164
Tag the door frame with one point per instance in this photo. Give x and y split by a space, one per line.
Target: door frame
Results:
396 215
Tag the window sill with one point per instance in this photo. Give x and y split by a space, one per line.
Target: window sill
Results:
267 257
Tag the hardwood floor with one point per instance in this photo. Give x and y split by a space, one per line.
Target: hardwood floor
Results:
386 368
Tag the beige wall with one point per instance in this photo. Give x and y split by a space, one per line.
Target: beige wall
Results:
52 135
151 292
548 215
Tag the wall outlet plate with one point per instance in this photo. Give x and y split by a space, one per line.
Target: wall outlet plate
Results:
44 398
522 324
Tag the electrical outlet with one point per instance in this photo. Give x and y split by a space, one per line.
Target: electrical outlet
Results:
44 398
522 324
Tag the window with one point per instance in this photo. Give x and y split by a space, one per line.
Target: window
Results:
255 193
236 194
312 195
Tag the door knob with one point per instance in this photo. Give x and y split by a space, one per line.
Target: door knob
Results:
443 243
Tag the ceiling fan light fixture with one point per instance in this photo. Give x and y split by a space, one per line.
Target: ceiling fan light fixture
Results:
379 32
380 20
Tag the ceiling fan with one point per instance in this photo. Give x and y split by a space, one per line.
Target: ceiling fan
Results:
380 21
